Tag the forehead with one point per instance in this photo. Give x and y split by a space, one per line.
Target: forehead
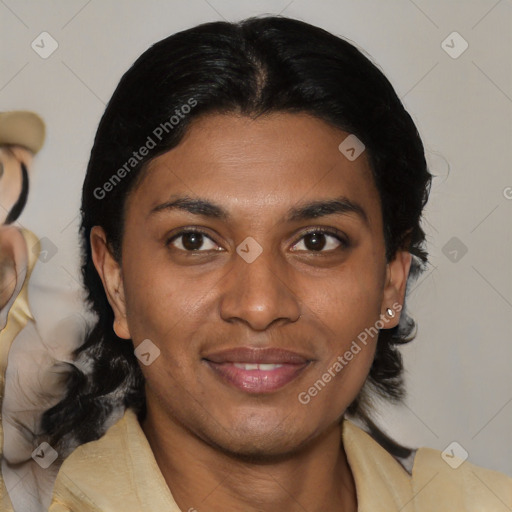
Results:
245 163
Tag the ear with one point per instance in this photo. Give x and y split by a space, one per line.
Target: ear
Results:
110 273
397 272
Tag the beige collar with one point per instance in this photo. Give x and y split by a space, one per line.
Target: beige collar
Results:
120 468
119 473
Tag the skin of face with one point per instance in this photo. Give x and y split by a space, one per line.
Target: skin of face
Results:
11 158
193 303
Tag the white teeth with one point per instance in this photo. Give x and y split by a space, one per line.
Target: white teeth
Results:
268 367
263 367
244 366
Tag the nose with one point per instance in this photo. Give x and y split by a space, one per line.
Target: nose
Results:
259 293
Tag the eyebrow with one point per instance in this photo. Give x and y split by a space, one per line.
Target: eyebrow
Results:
313 210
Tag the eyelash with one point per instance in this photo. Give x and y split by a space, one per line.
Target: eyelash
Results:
335 233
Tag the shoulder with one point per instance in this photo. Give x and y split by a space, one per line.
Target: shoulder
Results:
116 472
436 482
460 483
90 473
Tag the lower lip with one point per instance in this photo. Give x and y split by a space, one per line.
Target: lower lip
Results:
257 381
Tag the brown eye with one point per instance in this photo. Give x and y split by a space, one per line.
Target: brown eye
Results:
1 169
321 240
192 240
315 241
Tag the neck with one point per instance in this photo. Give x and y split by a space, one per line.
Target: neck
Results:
203 478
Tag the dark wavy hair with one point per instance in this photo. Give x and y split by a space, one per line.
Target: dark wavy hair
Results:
254 67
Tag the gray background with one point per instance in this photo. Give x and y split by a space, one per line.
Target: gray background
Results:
458 368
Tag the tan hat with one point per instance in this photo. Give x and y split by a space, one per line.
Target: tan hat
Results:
22 128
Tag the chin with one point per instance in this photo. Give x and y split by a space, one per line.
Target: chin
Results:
261 442
260 451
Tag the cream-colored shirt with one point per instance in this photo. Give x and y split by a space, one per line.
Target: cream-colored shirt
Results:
119 473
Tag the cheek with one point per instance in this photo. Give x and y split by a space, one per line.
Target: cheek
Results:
347 307
349 299
162 303
345 363
158 310
149 296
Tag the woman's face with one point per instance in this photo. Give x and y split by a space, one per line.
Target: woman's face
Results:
252 278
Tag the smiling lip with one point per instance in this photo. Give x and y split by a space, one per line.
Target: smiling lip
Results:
257 370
